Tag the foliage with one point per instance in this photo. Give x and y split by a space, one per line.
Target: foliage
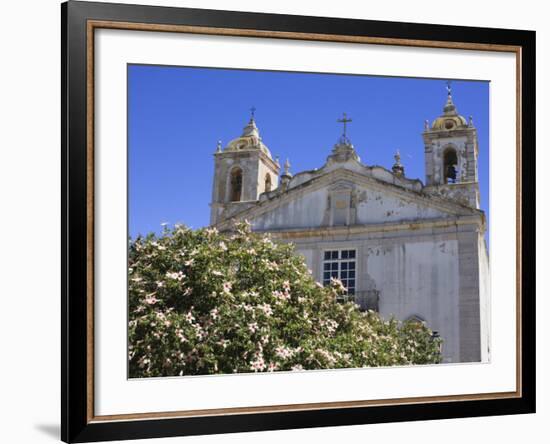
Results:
202 302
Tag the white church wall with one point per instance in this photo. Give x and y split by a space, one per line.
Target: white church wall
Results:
416 273
419 279
383 207
304 211
308 255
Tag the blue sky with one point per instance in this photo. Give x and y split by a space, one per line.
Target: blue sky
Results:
176 115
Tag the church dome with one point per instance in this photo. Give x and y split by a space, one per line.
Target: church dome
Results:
249 140
450 119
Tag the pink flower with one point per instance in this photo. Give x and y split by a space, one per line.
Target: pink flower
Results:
227 287
179 335
178 276
330 324
151 300
284 352
337 284
224 343
266 308
258 364
280 295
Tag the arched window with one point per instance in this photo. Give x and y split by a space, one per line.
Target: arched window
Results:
236 185
267 183
415 319
450 162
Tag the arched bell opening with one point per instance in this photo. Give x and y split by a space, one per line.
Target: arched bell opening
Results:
236 185
450 162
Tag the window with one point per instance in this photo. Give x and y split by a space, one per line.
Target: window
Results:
236 184
340 264
267 183
415 318
449 165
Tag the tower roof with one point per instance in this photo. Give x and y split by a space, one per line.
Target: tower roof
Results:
450 119
249 140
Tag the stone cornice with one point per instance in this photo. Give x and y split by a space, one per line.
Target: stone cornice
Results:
247 153
338 231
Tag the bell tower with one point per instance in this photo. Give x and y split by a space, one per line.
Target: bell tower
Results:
451 155
243 170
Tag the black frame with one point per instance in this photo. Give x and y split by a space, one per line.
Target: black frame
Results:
75 426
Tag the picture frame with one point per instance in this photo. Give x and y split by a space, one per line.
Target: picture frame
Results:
80 21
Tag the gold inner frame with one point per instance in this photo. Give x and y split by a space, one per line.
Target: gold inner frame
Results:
95 24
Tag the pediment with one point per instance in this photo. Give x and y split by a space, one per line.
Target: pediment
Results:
343 197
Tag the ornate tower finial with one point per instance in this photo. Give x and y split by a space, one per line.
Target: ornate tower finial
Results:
286 176
397 157
251 129
397 168
277 161
426 125
449 108
219 146
286 166
470 121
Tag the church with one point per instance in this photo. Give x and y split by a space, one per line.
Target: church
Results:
405 248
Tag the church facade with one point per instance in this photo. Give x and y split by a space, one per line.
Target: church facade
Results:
403 247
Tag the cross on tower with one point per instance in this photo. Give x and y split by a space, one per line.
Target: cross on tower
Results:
252 111
448 87
345 121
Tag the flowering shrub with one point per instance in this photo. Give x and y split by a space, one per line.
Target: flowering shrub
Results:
202 302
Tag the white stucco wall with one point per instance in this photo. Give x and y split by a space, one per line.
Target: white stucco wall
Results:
383 207
304 211
419 279
415 273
